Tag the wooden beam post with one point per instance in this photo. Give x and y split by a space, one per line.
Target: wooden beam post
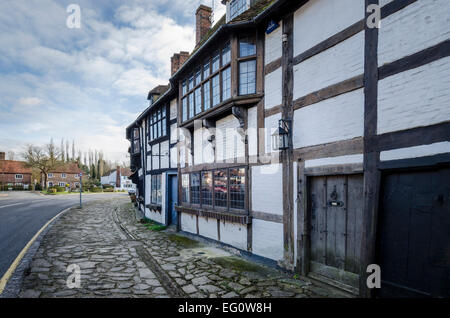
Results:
287 155
371 154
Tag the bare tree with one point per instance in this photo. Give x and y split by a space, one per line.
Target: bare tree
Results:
42 159
63 156
67 151
73 150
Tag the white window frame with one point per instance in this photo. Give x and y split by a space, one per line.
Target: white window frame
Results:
63 175
50 175
62 184
50 183
19 176
229 3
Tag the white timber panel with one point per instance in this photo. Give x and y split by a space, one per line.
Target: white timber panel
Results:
273 89
418 97
341 62
198 146
270 125
233 234
318 20
155 157
148 186
154 216
165 154
229 144
334 119
267 239
188 223
252 131
173 133
173 157
273 44
207 227
173 109
267 189
331 161
416 152
416 27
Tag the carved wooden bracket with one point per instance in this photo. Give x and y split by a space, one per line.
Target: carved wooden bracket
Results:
240 113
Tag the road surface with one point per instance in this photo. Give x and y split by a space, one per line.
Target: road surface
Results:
22 214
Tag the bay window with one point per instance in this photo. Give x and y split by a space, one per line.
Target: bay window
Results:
226 84
237 7
207 95
198 100
237 188
185 188
220 188
207 187
247 77
195 188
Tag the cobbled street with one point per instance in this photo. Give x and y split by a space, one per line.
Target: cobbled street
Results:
120 257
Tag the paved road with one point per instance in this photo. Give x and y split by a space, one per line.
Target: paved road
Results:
22 214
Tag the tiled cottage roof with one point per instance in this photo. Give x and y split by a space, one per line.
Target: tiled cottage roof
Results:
10 166
71 167
246 16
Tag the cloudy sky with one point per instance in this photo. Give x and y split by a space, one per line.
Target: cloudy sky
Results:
85 84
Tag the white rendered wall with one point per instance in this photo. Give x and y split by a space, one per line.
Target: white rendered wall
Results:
252 131
267 179
270 125
416 27
207 227
229 144
341 62
173 134
416 152
318 20
273 44
155 157
173 109
334 119
273 88
418 97
267 239
189 223
233 234
340 160
165 154
173 157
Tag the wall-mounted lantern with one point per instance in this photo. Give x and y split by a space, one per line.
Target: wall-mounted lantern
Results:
281 136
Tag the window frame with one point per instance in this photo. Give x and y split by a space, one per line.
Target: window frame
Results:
241 7
157 124
206 68
213 205
18 178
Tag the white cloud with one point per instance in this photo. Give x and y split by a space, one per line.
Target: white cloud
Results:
86 84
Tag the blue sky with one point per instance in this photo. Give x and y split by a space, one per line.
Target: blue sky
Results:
85 84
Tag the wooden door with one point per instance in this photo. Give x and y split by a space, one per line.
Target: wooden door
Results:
414 234
173 198
336 213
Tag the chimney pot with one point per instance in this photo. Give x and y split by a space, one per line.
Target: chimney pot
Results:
203 22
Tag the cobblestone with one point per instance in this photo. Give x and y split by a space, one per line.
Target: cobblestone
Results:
113 265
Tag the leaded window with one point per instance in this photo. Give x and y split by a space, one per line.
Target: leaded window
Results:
247 77
198 100
185 188
207 95
237 188
226 84
195 188
207 187
216 90
156 194
237 7
220 188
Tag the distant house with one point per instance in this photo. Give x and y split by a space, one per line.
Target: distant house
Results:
119 179
68 173
14 173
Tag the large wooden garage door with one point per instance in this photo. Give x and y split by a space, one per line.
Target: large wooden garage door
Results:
336 211
414 234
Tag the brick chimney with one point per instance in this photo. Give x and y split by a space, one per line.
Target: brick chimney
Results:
177 60
2 156
118 177
202 21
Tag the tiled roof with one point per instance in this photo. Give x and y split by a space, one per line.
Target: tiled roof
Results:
126 172
71 167
10 166
258 7
159 90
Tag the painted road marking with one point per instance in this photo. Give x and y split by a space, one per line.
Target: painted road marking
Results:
5 206
19 257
